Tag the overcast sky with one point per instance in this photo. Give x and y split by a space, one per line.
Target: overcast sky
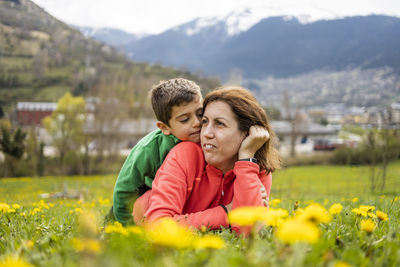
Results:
155 16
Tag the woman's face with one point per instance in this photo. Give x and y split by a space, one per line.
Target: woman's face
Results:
220 136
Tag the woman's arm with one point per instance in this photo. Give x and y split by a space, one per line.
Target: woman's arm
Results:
170 188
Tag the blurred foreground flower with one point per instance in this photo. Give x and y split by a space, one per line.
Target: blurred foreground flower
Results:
336 208
274 217
167 232
209 241
367 226
315 213
295 230
14 261
246 216
381 215
4 207
275 202
116 228
341 264
88 245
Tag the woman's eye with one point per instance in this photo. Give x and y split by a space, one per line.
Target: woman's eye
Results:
203 121
219 123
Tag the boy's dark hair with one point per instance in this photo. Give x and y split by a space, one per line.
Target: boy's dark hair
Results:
169 93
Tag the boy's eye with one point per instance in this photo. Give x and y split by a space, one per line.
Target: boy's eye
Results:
184 120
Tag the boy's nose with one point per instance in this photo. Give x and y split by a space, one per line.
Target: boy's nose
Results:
196 123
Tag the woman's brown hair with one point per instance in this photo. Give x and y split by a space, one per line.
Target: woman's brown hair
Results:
248 112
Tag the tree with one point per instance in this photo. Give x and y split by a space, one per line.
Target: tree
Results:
12 145
66 126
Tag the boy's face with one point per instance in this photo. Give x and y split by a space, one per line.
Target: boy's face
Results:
185 121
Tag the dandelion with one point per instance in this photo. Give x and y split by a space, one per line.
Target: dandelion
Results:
335 208
246 216
367 226
14 261
4 207
88 245
274 217
341 264
11 211
209 241
367 208
167 232
354 200
315 213
135 230
298 212
295 230
16 206
275 202
116 228
359 212
381 215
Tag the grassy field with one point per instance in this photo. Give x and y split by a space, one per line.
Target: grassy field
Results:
39 229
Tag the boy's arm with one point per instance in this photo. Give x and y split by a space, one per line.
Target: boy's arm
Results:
138 165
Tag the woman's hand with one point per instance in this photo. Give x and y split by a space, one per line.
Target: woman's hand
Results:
257 137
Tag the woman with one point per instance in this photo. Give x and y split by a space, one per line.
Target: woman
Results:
199 184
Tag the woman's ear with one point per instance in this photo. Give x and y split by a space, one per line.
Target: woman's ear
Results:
163 127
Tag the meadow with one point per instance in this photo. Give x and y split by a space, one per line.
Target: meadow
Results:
318 216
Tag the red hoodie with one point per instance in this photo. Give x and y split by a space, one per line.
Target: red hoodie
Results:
191 191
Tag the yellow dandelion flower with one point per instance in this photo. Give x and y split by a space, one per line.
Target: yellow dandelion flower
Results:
381 215
245 216
87 223
396 199
4 207
29 243
14 261
275 202
298 212
11 211
116 229
167 232
366 208
88 245
23 214
51 205
294 230
16 206
135 230
315 213
359 212
274 217
203 229
335 208
341 264
354 200
209 241
78 210
367 226
370 214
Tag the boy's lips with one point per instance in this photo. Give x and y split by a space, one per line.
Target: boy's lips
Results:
195 133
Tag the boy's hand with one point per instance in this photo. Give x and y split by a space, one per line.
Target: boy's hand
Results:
257 137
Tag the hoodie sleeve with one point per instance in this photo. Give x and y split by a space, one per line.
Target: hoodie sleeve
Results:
247 188
170 189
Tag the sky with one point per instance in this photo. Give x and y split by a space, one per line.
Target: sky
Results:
156 16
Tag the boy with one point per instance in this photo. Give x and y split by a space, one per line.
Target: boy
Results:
177 104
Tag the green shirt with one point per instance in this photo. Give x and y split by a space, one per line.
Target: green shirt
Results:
138 172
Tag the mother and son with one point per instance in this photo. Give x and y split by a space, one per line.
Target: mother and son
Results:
205 159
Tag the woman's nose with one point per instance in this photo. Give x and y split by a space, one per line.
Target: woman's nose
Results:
206 131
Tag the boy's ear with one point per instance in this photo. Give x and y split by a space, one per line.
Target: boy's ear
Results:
163 127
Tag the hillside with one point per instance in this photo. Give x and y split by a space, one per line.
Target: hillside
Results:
41 58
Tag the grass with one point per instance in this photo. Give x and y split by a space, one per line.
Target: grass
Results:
68 232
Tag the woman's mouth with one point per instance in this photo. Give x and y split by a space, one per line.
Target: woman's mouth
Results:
209 146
